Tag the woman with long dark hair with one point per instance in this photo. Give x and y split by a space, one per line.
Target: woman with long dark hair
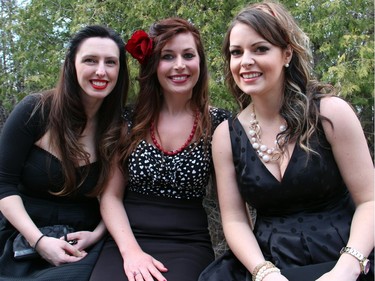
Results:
297 154
57 149
155 214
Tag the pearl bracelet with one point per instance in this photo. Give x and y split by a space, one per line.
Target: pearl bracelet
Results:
263 269
261 274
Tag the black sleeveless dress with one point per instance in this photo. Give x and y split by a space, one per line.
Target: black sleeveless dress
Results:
304 219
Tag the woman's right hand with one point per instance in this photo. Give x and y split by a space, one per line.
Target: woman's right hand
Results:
57 251
143 267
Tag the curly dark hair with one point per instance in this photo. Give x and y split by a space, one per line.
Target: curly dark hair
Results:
301 91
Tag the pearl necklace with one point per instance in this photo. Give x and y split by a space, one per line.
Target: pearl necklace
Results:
187 142
265 154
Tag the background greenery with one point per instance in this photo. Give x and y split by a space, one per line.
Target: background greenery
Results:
34 34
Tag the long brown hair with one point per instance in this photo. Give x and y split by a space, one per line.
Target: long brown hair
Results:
276 25
150 98
67 118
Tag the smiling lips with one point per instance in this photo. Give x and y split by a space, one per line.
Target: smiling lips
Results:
250 75
99 84
179 78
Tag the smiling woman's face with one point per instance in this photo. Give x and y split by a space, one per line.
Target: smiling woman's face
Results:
178 69
257 66
97 66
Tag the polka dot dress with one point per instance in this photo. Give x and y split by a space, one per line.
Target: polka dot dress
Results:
184 175
181 176
163 203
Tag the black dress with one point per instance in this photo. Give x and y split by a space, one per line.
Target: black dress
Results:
304 219
163 202
31 172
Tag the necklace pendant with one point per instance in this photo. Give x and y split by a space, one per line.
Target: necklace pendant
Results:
264 153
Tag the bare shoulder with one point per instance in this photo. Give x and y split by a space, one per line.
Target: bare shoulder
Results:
221 131
343 119
333 107
221 143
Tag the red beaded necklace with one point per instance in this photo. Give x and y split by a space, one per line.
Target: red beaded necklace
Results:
187 142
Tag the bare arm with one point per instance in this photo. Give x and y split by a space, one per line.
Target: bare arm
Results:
13 209
354 161
53 250
117 223
85 238
236 224
99 231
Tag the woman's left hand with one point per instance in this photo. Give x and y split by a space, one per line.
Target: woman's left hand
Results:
81 240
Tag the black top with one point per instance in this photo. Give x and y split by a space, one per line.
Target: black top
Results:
28 170
308 183
31 172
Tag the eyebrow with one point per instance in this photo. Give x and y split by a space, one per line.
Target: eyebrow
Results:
184 50
252 45
95 56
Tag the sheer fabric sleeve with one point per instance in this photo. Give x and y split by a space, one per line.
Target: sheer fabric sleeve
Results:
17 137
218 115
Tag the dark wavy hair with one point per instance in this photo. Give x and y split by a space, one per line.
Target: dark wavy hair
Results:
150 98
67 118
276 25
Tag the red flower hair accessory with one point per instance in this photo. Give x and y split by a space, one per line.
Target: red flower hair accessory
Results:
140 46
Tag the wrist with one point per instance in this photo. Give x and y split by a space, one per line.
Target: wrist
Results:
37 241
263 269
349 253
97 235
129 249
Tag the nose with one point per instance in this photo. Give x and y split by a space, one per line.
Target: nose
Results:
247 59
101 70
179 63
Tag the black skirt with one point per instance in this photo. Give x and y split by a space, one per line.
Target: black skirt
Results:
173 231
229 268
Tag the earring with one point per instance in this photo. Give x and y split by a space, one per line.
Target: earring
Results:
286 65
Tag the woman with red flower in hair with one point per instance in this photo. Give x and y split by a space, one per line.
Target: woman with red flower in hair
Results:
154 213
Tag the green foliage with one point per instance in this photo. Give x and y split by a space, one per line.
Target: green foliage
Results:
34 35
342 37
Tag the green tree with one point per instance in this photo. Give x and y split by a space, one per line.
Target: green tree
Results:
38 33
34 34
342 37
7 65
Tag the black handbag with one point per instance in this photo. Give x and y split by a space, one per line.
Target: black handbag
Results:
22 249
